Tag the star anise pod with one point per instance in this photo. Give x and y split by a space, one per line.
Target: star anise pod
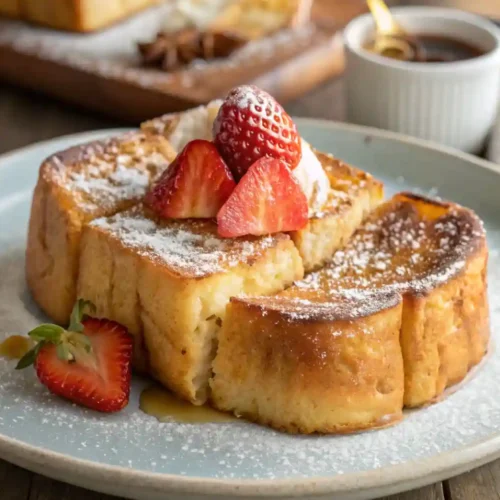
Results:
171 51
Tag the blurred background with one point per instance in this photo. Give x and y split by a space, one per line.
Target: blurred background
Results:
69 66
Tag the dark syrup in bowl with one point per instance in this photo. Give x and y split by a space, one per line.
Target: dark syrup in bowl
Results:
425 48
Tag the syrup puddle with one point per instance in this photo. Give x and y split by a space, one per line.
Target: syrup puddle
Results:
15 347
161 404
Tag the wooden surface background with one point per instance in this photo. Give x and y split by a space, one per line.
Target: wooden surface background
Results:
26 118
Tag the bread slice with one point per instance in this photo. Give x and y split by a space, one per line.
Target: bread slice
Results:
353 195
254 19
73 15
169 282
74 187
397 316
302 368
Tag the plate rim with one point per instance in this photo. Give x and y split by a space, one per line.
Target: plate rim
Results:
365 484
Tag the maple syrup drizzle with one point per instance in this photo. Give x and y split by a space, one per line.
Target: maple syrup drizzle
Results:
163 405
15 347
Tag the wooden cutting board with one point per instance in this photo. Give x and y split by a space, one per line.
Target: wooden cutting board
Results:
102 71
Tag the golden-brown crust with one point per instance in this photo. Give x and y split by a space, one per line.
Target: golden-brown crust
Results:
73 188
310 376
75 15
311 307
445 332
51 263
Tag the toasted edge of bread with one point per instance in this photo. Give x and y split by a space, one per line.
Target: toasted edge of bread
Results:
309 375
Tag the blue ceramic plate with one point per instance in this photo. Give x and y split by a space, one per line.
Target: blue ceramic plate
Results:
133 455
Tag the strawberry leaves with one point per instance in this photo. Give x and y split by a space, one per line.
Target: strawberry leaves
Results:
78 313
64 340
29 358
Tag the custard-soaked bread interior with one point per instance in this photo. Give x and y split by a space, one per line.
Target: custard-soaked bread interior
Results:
430 255
74 187
169 283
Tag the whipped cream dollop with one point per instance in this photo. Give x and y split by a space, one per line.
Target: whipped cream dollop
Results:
194 124
197 124
312 178
193 14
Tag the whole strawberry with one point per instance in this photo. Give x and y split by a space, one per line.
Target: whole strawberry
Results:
250 125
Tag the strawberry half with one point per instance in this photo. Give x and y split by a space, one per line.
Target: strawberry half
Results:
251 124
88 364
268 199
195 185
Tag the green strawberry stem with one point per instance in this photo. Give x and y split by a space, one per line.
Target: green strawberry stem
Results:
70 343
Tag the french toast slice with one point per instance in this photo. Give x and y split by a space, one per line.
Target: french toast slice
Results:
169 283
74 187
397 316
353 195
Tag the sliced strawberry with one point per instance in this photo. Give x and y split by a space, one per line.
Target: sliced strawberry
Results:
195 185
89 363
251 124
268 199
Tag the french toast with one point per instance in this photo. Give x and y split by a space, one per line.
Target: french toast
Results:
74 187
109 276
399 314
254 19
73 15
169 283
200 249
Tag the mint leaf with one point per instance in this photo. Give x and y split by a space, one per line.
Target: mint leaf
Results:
46 332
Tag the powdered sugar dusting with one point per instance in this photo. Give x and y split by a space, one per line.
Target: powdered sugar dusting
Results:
191 248
396 251
123 183
400 250
246 98
102 176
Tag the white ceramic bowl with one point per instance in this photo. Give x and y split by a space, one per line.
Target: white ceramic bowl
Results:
451 103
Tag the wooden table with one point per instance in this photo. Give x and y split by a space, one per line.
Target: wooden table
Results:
26 118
